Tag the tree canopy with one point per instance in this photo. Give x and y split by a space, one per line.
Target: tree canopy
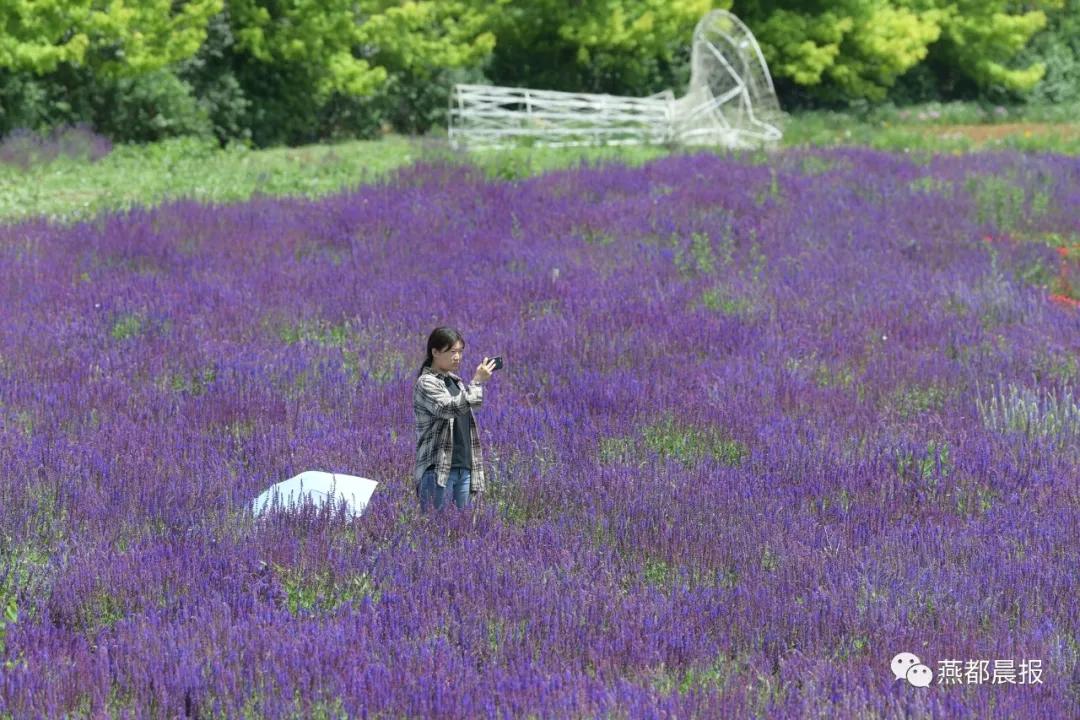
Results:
120 37
287 70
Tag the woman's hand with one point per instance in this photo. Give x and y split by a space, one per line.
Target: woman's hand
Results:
483 372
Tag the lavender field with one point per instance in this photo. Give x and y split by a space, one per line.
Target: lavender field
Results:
765 423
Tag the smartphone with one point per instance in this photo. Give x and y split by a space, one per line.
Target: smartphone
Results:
498 362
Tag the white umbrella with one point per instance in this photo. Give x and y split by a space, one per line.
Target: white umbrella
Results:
321 487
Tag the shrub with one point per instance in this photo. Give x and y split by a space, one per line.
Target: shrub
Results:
1034 412
147 108
25 148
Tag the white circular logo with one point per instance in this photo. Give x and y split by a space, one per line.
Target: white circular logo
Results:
907 666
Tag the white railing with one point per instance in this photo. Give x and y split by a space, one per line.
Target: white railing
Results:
731 101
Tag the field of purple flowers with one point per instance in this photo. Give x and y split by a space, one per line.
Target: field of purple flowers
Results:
763 425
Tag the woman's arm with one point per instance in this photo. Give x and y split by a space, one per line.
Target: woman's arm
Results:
439 402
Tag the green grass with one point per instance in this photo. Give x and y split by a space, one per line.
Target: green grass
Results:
931 128
321 592
133 175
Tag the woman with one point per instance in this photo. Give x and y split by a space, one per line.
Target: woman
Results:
448 452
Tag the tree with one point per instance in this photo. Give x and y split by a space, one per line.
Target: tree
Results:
350 47
1058 47
627 47
846 49
304 65
981 38
853 49
115 39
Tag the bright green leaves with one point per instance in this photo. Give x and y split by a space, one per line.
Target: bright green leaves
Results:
35 35
619 46
800 46
315 35
418 36
982 37
320 36
858 48
116 38
885 44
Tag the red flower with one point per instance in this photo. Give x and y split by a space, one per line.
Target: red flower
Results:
1066 301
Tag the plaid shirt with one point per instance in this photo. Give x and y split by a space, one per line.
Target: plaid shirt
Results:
435 409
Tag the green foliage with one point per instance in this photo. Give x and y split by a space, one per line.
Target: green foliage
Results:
657 572
195 382
851 646
857 49
249 70
973 499
427 49
384 367
617 46
113 38
296 64
826 376
410 101
926 128
9 610
375 360
127 326
256 708
146 107
595 236
269 72
981 37
841 500
27 102
322 591
521 162
854 49
501 632
102 610
911 402
725 302
701 252
696 679
670 439
10 616
215 83
1048 412
925 466
1058 48
616 450
319 332
689 444
1056 365
70 189
1001 201
769 559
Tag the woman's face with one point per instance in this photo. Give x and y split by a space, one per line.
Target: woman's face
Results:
448 360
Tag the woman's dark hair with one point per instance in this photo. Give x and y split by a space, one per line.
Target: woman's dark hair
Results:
441 338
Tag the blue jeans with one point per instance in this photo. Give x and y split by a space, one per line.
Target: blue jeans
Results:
457 483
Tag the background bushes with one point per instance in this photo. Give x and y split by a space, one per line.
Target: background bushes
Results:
1058 47
271 73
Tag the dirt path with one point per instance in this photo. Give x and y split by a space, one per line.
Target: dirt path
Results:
998 131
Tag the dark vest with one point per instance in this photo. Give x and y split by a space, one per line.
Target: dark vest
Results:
462 457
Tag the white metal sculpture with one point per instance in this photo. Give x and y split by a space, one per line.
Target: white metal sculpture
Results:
731 102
